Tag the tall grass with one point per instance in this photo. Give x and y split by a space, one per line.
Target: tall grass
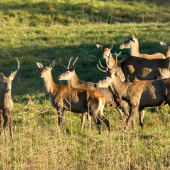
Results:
44 31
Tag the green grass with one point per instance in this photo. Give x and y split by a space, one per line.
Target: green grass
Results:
44 31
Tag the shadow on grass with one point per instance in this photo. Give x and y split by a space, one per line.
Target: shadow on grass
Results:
67 12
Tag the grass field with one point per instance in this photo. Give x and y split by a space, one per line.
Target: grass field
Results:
43 31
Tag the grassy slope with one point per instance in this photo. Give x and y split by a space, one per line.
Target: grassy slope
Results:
45 31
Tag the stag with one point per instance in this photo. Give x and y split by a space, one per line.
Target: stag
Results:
133 45
72 99
138 94
110 61
111 100
6 103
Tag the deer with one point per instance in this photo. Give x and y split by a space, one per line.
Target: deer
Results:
133 45
138 94
6 103
110 61
70 75
75 100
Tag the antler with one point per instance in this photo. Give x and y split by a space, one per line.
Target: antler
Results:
116 58
18 64
101 64
75 61
101 69
69 63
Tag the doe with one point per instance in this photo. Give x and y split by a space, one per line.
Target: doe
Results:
6 103
73 99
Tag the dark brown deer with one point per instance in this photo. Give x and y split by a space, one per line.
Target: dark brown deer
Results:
111 100
146 74
133 45
138 94
76 100
110 61
6 103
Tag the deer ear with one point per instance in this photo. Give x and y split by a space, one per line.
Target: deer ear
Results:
100 47
110 46
39 65
72 68
11 77
52 64
163 44
1 77
132 36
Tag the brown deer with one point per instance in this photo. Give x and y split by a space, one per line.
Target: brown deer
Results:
76 100
110 61
6 103
111 100
133 45
138 94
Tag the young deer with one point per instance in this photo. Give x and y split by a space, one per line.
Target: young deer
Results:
111 100
133 45
76 100
110 61
138 94
6 103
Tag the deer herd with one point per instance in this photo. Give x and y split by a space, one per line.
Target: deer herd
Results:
129 85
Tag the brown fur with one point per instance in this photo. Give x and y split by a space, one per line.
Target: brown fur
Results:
139 94
110 61
145 69
6 103
76 100
111 100
133 45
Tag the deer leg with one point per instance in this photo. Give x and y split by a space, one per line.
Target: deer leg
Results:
157 109
131 116
97 121
60 117
89 120
6 121
141 116
10 127
83 119
99 124
103 118
1 120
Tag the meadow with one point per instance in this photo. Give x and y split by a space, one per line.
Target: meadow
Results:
56 30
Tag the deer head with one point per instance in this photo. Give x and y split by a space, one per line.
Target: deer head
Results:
129 44
45 70
110 73
69 71
7 81
105 50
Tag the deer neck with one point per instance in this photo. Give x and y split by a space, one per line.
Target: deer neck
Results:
119 87
134 51
74 82
110 61
5 97
49 84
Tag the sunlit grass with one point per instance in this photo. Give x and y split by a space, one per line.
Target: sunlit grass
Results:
58 30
